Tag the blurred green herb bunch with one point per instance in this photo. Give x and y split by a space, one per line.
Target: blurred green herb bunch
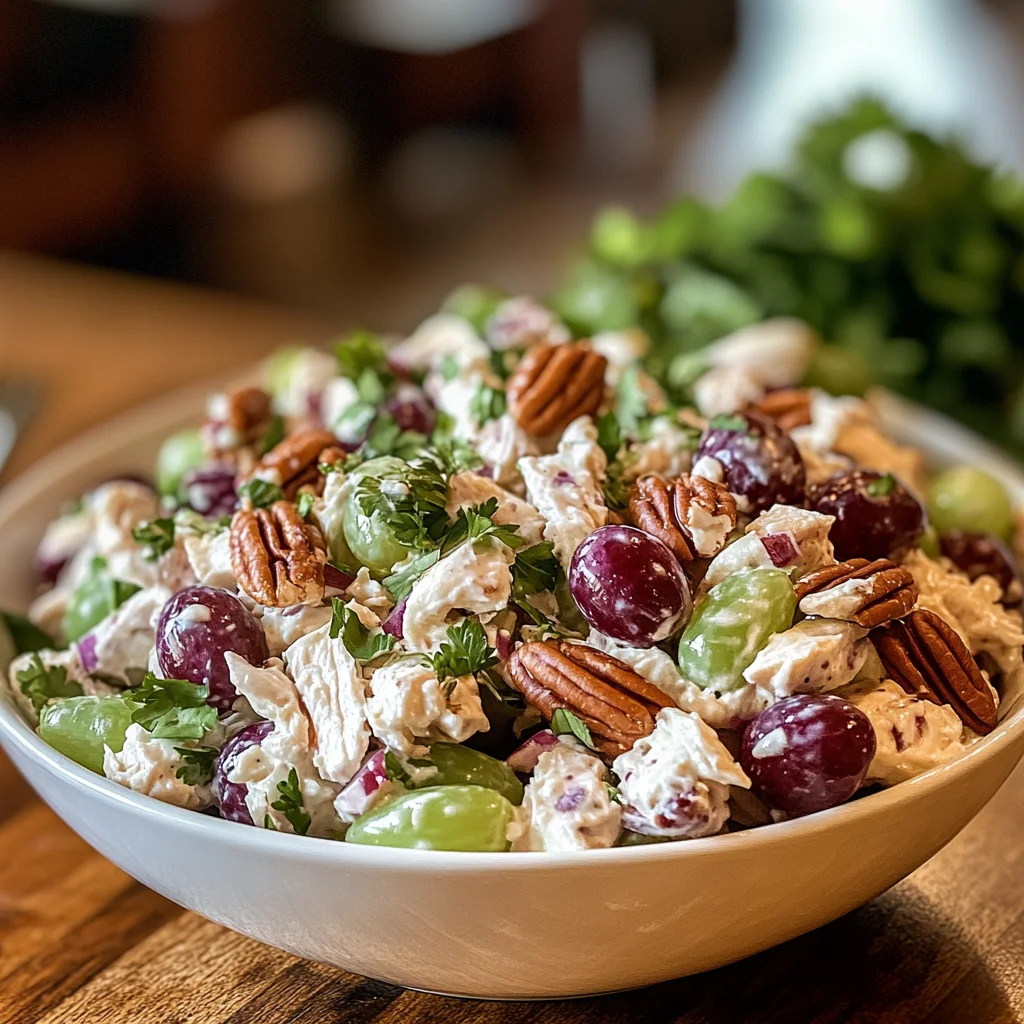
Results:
904 253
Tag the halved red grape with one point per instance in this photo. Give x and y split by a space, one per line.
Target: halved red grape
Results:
629 585
210 490
197 626
875 514
761 462
979 554
230 796
809 752
411 409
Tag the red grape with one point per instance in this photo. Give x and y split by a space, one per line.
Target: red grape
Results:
875 514
979 554
629 585
761 462
808 752
230 796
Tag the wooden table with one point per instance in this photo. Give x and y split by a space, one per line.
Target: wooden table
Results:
81 943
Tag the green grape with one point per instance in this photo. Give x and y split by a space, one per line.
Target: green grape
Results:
370 539
462 766
94 599
731 624
470 818
965 498
476 303
279 368
178 454
928 542
80 727
618 238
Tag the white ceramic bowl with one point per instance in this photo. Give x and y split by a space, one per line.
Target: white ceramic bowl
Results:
491 925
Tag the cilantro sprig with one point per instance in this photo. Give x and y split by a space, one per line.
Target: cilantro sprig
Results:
196 768
360 642
156 538
464 653
172 709
291 804
40 682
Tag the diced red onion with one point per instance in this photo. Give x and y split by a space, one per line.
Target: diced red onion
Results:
562 478
486 471
394 623
571 799
87 652
524 758
503 644
335 579
782 548
361 790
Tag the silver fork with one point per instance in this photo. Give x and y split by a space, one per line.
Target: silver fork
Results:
19 400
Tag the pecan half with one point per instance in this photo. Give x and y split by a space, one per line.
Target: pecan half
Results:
691 515
858 590
554 384
617 704
293 463
925 655
277 557
789 407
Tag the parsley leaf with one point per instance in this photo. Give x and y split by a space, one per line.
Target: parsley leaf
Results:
291 804
359 641
196 768
261 492
399 584
386 437
41 682
362 350
304 504
464 653
630 401
882 487
156 538
268 823
616 486
411 503
454 454
25 635
486 404
172 709
733 423
609 435
565 722
613 793
273 435
449 368
395 770
534 570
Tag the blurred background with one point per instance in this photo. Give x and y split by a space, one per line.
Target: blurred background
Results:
359 158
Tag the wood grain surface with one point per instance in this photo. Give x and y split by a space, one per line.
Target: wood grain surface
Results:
81 943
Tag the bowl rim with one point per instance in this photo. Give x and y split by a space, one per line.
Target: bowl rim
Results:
942 434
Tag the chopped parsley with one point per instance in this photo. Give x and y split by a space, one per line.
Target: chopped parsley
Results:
534 571
304 504
272 436
565 723
172 709
454 454
399 584
25 635
727 421
386 437
395 770
882 487
411 504
486 404
359 641
613 793
261 492
449 368
156 538
291 804
362 350
196 768
630 402
609 435
464 653
617 485
41 683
